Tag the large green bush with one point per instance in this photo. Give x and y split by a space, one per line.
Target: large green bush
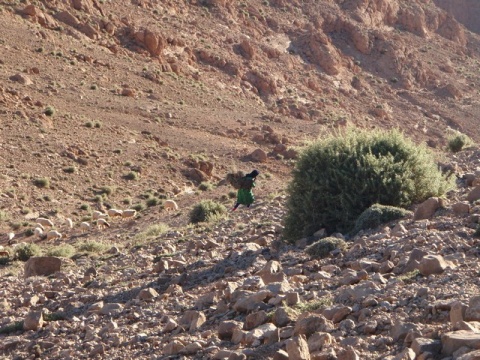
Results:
205 209
337 178
378 214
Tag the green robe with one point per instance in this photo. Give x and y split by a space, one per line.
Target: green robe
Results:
245 196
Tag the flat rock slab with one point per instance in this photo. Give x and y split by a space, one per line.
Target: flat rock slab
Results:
452 341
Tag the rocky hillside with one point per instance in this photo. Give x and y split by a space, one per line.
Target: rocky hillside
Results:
172 94
232 290
108 105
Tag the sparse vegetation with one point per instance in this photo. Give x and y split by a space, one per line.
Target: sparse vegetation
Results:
49 111
152 88
4 260
26 251
216 217
4 216
409 277
458 141
11 328
55 316
93 246
11 192
29 232
273 195
15 225
378 214
41 182
107 190
132 175
66 251
205 209
69 169
313 305
205 186
337 178
139 207
152 231
153 201
98 199
322 248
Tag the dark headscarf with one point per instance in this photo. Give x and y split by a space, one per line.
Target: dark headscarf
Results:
253 174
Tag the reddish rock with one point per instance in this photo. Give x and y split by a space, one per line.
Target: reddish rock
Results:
258 156
427 209
42 266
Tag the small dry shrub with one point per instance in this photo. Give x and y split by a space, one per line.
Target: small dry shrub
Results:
41 182
92 246
458 142
322 248
206 209
11 328
66 251
377 215
26 251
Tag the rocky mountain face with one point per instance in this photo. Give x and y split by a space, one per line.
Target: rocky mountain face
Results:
107 104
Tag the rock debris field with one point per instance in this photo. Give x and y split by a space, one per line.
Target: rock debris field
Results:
234 290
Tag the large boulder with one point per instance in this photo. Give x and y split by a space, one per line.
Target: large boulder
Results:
22 79
454 340
311 323
33 321
432 264
457 312
258 155
42 266
472 312
226 329
192 319
474 194
297 348
272 272
427 209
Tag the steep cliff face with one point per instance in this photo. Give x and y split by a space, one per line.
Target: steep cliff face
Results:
466 12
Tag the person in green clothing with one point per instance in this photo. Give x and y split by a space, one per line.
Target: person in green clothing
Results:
245 195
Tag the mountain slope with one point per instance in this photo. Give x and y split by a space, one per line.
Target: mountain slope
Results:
108 104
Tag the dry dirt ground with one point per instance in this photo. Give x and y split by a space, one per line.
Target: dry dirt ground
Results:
125 104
